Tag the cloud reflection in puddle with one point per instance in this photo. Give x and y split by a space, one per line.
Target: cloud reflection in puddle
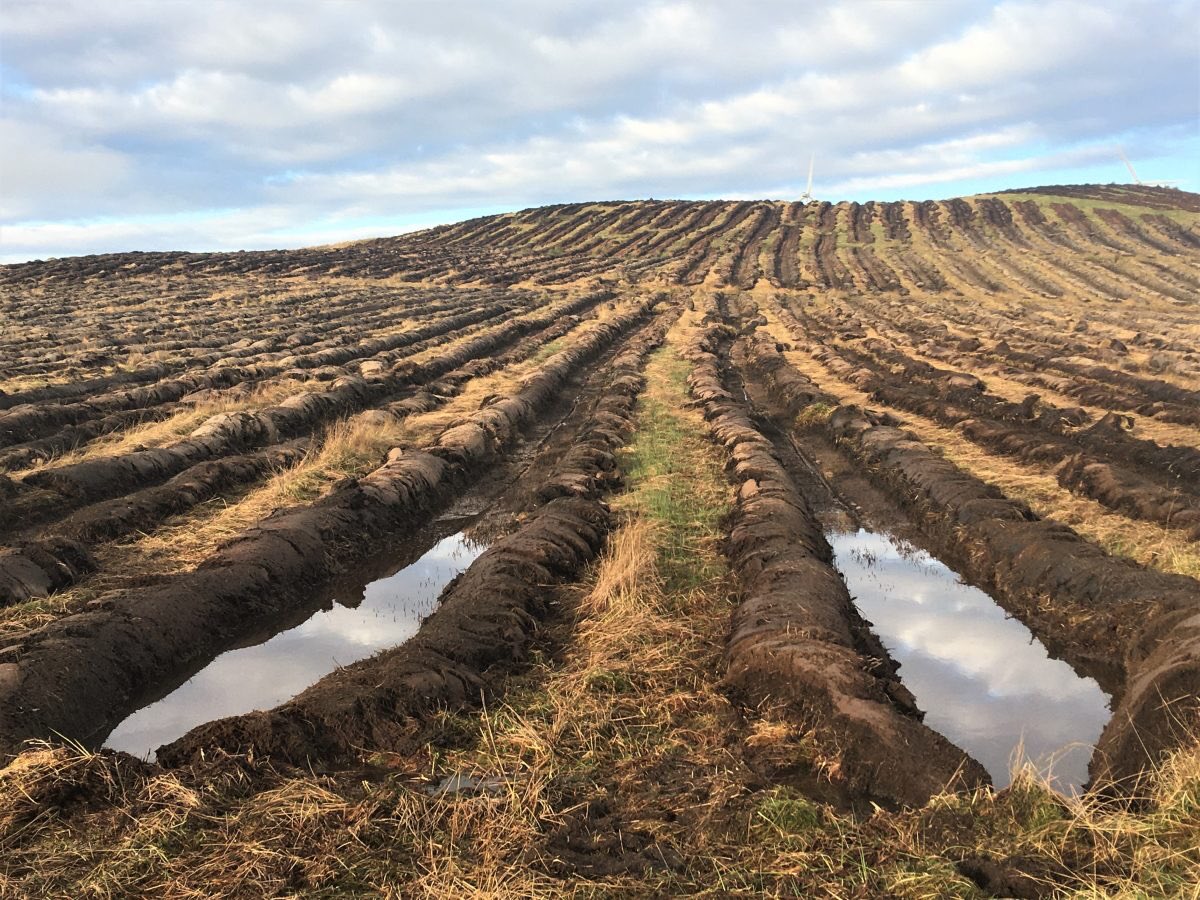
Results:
983 679
264 675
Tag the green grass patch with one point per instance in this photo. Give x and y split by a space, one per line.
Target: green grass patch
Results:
675 477
788 812
547 350
1090 205
607 681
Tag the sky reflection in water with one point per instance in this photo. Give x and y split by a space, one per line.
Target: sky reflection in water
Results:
269 673
983 679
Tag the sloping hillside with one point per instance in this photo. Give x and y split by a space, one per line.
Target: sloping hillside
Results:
641 548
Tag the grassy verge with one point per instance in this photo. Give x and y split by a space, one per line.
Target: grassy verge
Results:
675 476
587 742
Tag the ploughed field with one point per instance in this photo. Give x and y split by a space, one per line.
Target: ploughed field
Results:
649 547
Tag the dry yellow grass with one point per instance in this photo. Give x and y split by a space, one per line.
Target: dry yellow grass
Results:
1015 391
17 619
19 383
1151 545
344 449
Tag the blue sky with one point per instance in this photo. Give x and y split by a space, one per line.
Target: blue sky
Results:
227 125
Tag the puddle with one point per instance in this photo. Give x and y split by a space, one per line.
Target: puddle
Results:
983 679
385 613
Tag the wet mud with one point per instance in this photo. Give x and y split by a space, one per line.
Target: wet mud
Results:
137 640
796 638
485 620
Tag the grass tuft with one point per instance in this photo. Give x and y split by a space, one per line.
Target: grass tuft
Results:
789 814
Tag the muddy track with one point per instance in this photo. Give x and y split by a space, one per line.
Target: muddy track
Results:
136 640
1127 626
795 636
485 621
1131 628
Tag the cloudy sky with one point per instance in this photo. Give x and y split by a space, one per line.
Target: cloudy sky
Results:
223 125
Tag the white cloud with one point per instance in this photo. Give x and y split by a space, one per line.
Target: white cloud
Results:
260 228
331 110
43 173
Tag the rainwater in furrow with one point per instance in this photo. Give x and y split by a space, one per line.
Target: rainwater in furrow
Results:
379 606
359 621
983 680
981 677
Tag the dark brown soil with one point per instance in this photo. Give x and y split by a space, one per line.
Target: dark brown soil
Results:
140 639
484 624
98 345
795 637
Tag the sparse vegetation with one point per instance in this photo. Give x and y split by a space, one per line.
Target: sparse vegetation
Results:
193 445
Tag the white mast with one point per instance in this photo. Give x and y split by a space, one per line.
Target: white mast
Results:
1134 175
1129 166
807 195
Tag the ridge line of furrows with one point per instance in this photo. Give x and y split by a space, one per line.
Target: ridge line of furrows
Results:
1141 478
140 638
484 621
792 637
1136 630
836 246
59 558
